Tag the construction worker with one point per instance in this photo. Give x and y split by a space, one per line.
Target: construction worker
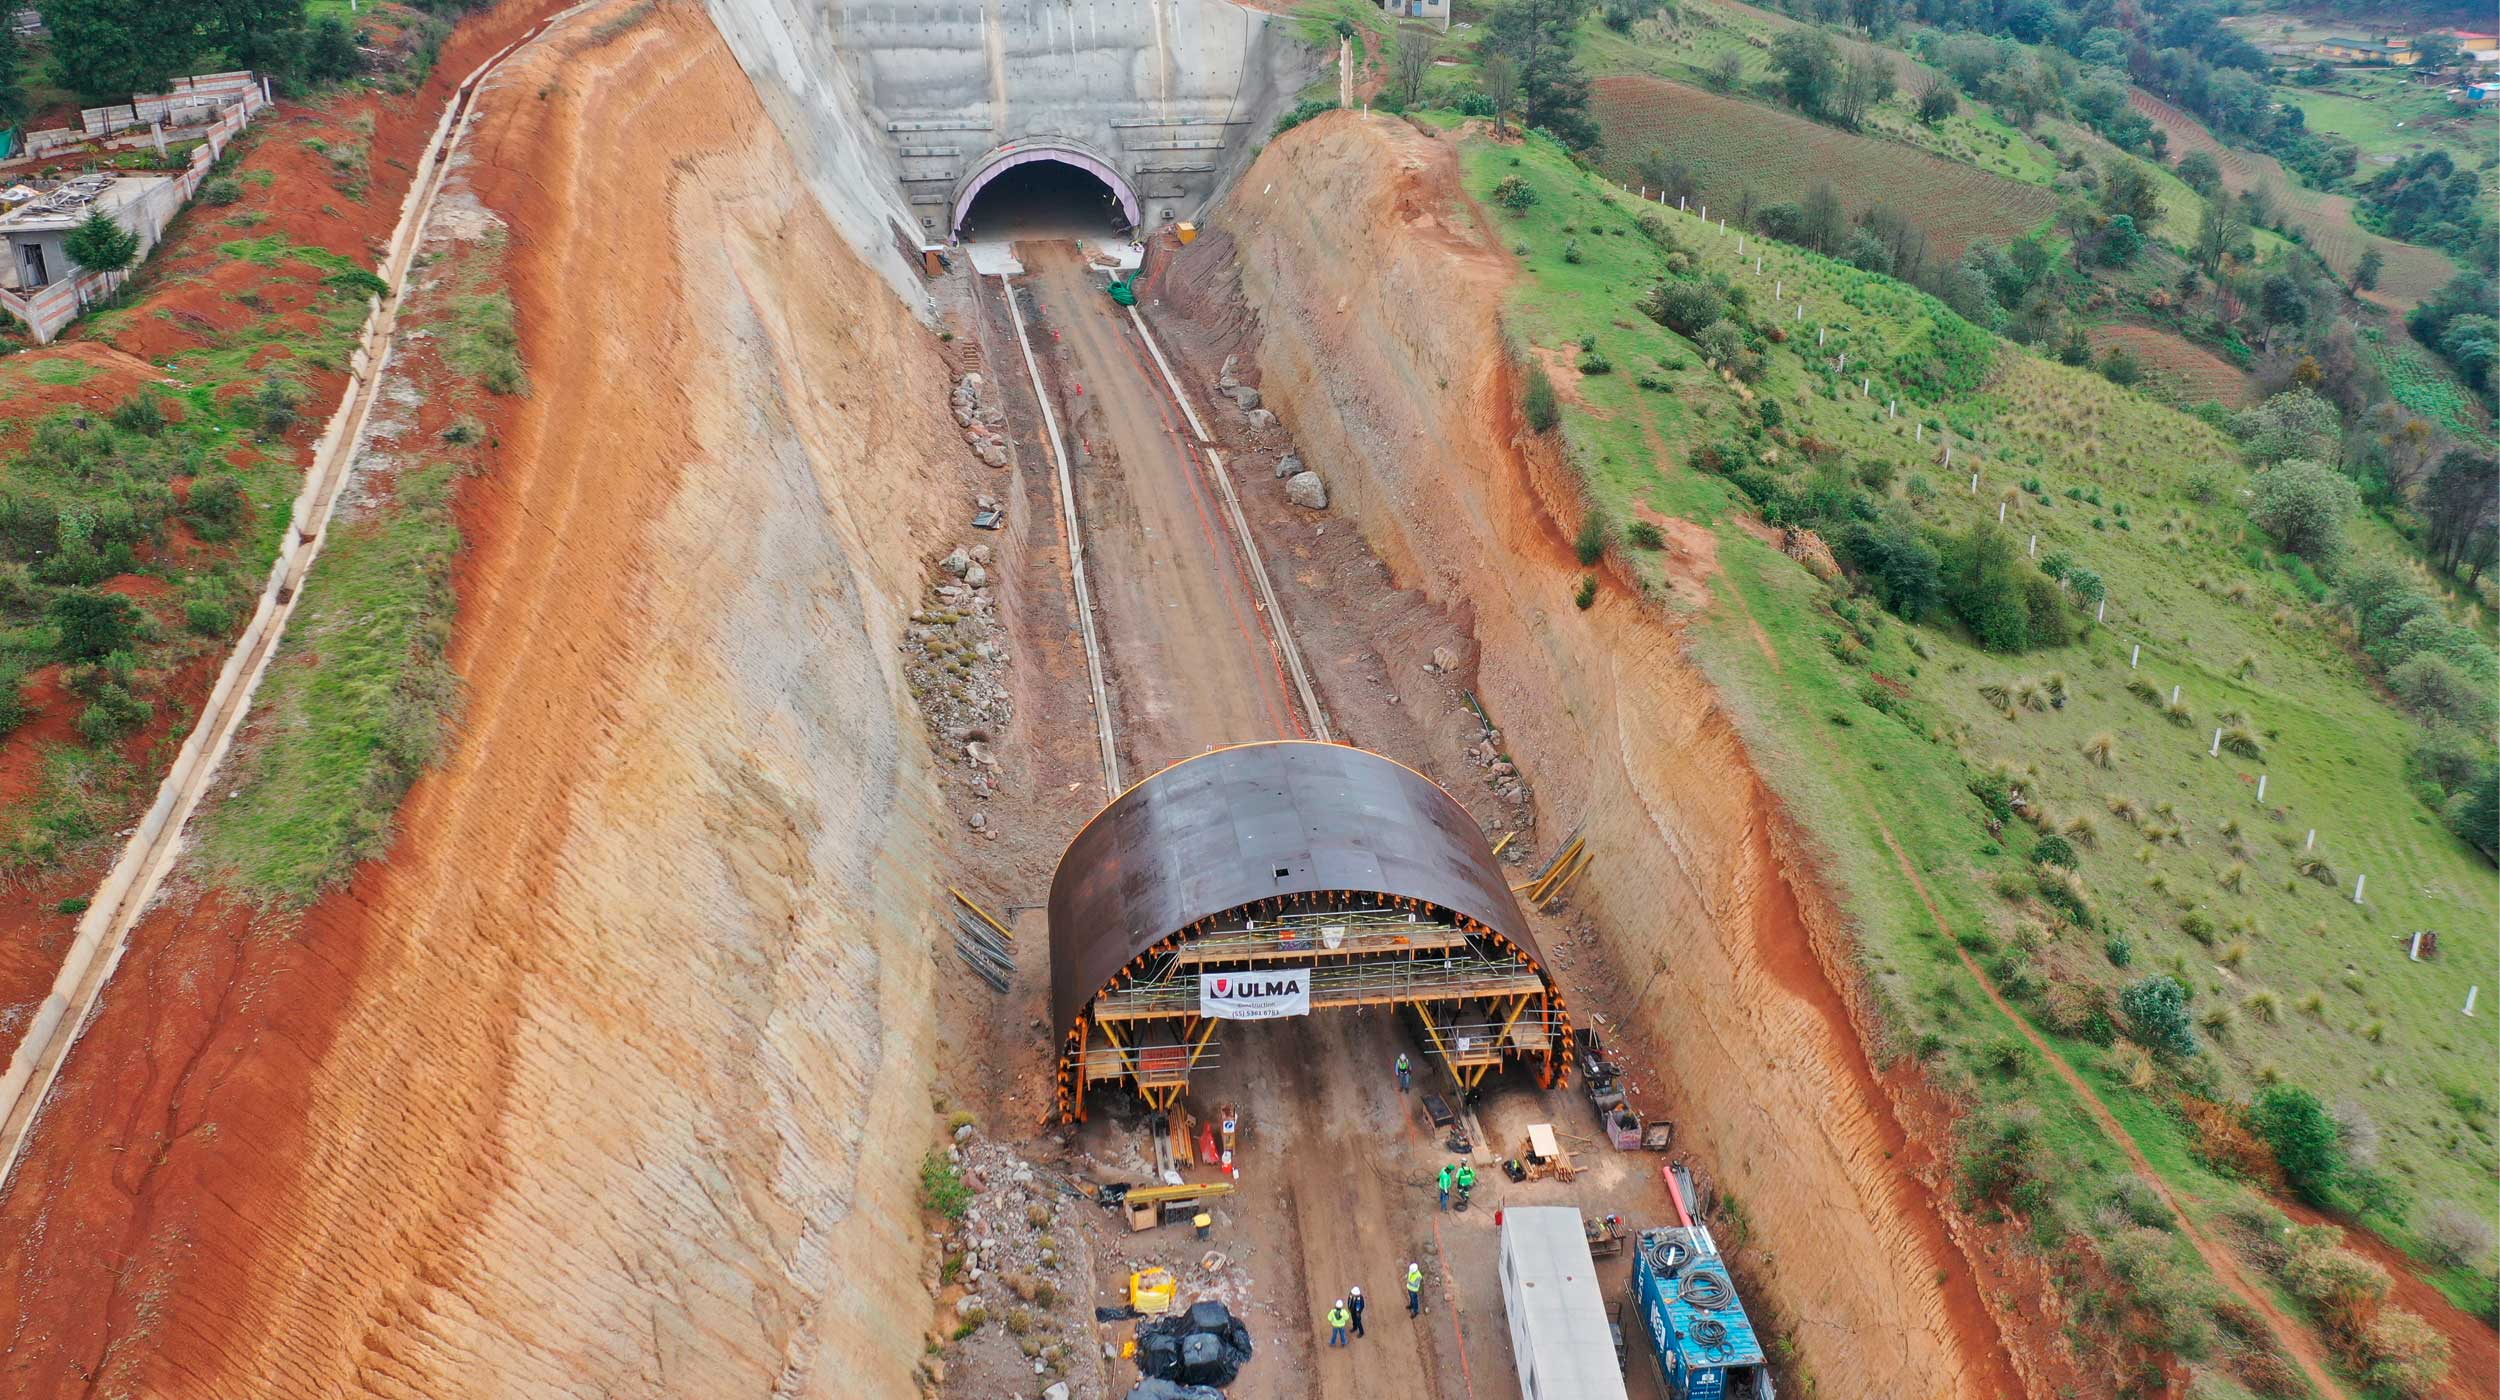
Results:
1338 1320
1466 1180
1354 1306
1406 1075
1447 1177
1414 1289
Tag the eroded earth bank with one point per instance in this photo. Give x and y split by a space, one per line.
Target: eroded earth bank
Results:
613 1078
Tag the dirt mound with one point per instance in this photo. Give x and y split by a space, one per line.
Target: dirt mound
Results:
611 1079
1391 369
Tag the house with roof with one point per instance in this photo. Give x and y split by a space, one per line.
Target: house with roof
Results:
2385 51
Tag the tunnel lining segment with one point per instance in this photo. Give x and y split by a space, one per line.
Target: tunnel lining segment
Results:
1173 875
1009 157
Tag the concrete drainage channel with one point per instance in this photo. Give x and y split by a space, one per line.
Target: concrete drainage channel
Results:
149 856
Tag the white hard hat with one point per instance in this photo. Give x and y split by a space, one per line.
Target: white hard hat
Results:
1341 1302
1358 1290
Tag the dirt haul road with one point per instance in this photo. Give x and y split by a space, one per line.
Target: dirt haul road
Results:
1193 663
611 1079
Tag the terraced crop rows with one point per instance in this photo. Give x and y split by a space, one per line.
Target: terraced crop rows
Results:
1738 148
2175 367
2411 273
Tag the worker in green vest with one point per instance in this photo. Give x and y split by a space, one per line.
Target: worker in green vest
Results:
1448 1175
1338 1320
1406 1075
1414 1289
1466 1180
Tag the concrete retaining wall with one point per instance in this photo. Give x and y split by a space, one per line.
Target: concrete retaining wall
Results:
894 107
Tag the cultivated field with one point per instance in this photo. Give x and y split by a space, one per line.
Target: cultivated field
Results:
1740 150
2176 368
2411 273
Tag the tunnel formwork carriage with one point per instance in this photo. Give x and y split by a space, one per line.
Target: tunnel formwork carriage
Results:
1287 879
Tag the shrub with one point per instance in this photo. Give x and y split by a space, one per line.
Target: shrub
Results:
2457 1236
113 713
92 625
2241 740
221 189
1571 251
2054 850
2304 505
1685 307
1591 362
1587 596
1645 535
1590 543
1543 408
1511 193
2060 890
1302 112
2198 925
942 1188
276 403
2306 1142
141 413
2433 687
1983 576
2156 1007
2406 1355
2120 949
214 507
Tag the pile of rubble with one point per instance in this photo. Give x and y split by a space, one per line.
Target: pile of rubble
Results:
978 413
1023 1263
955 659
1303 486
1500 774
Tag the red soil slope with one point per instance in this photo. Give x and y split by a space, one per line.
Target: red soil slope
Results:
595 1085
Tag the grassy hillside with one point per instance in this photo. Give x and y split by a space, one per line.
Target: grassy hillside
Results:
1890 740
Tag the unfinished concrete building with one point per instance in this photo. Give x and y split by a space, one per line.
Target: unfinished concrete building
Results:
1282 879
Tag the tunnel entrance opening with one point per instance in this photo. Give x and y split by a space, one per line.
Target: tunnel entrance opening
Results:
1045 194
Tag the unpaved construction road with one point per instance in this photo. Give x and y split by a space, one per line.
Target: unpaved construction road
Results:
1194 661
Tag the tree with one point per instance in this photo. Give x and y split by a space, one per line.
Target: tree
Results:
1936 101
1413 62
2431 686
2219 232
101 244
2436 51
1897 566
1864 87
2156 1008
2120 242
2128 190
2304 505
2461 503
1983 584
1554 89
1727 71
1665 175
111 50
268 35
2296 423
2365 274
91 625
12 87
1810 69
2303 1136
1500 77
2199 171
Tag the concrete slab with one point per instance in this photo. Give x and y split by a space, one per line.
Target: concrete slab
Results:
994 259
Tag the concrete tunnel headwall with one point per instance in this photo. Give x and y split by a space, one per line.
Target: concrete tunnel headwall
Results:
897 110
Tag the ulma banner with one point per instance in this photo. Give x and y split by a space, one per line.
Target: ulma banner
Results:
1255 996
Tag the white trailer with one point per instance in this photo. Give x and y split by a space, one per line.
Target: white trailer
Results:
1560 1335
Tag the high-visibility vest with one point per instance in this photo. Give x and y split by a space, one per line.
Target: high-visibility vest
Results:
1446 1175
1466 1176
1339 1317
1414 1279
1401 1062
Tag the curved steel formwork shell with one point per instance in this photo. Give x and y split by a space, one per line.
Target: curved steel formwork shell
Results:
1261 830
